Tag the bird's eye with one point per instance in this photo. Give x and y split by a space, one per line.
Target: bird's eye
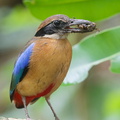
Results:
57 22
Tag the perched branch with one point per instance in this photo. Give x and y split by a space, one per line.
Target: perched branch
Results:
3 118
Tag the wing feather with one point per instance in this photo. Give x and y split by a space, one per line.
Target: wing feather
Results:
21 68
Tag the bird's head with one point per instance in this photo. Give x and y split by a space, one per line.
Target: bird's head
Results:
59 26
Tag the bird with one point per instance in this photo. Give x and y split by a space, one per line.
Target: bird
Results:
44 62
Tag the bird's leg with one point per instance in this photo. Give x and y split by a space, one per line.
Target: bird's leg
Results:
25 108
48 101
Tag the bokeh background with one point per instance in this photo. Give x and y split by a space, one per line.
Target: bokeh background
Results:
96 98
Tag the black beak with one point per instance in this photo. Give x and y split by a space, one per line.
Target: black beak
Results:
80 26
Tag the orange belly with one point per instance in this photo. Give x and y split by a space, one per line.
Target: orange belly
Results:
49 64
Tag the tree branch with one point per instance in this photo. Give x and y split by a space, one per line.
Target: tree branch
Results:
3 118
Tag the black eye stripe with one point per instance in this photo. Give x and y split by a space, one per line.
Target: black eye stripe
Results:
57 22
51 28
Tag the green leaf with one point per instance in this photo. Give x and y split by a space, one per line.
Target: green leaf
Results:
12 22
87 9
91 51
15 32
115 65
112 104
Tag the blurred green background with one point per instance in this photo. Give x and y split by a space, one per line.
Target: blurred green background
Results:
97 97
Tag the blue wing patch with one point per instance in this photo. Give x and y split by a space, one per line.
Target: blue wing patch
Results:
21 67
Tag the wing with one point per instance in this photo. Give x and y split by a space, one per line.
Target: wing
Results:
20 68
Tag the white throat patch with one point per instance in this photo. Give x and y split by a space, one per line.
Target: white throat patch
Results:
56 36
